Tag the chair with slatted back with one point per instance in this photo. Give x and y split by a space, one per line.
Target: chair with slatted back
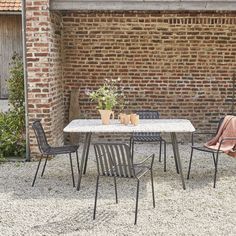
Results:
47 150
115 160
215 153
148 137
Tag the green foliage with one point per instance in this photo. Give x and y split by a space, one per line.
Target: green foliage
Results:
16 83
2 159
11 135
108 95
12 123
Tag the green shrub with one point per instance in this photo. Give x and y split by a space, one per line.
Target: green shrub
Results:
12 123
11 136
16 84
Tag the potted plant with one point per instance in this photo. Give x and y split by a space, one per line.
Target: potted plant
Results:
107 96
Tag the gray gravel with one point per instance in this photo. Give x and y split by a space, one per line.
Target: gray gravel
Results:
53 207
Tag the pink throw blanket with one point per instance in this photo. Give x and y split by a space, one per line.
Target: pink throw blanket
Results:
226 130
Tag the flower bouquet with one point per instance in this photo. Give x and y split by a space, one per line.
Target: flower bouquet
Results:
107 97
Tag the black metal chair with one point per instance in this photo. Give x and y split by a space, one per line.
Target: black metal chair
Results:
215 153
47 150
148 137
115 160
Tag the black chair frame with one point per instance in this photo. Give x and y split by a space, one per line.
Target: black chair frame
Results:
47 150
215 153
115 160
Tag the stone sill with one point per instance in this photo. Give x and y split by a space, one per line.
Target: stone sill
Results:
144 5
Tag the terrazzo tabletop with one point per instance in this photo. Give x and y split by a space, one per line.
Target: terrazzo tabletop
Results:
147 125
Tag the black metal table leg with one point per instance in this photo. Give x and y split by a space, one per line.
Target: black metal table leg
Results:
177 156
84 156
87 153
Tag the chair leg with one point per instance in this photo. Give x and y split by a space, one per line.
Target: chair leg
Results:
190 163
216 164
164 156
130 143
72 171
35 176
77 159
96 196
214 159
45 163
136 208
153 196
160 150
132 148
116 189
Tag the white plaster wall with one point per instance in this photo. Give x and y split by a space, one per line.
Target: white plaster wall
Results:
4 105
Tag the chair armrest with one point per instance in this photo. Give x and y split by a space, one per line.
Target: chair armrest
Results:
148 158
228 138
225 139
199 133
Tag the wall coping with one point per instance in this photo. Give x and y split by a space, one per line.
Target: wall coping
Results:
137 5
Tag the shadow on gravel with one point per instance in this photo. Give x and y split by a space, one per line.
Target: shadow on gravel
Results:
78 222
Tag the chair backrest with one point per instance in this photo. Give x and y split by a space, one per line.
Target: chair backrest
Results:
146 114
114 159
40 136
233 139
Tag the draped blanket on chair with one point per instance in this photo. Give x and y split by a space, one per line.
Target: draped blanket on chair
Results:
226 130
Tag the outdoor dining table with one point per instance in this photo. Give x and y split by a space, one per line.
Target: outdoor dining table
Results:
89 126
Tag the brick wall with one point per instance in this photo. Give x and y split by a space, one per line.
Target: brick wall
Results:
178 63
45 84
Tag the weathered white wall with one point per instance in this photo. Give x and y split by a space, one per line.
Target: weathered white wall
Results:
10 42
4 105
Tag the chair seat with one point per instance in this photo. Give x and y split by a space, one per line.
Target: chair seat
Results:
139 170
61 150
147 138
205 149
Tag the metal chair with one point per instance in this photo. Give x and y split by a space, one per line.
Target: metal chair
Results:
149 137
47 150
215 153
115 160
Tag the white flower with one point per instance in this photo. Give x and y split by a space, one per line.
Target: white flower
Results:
87 91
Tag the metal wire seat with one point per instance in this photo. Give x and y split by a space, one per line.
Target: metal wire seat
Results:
47 150
215 153
115 160
149 137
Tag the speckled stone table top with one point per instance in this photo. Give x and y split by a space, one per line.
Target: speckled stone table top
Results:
157 125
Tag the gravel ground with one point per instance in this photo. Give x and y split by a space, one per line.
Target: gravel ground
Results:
54 207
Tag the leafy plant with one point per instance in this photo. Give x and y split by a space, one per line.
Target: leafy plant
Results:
16 83
108 95
12 123
2 159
